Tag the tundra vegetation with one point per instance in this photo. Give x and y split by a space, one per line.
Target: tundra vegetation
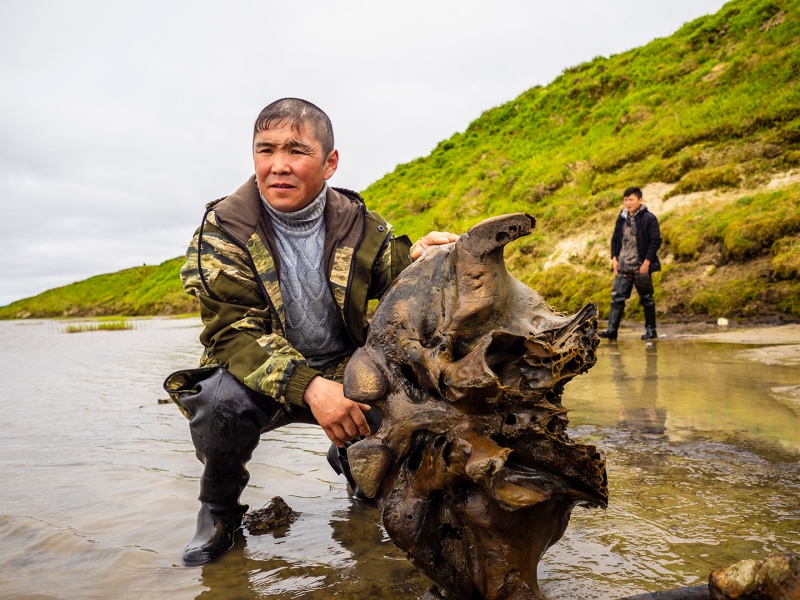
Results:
706 121
101 325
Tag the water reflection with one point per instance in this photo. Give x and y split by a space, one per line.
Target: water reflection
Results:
703 468
100 481
360 562
638 395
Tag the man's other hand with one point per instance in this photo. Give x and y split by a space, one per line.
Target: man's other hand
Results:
434 238
340 418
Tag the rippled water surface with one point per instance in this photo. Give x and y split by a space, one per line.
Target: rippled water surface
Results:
100 480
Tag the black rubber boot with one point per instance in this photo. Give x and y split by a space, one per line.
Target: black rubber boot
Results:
614 319
216 527
226 420
337 457
649 323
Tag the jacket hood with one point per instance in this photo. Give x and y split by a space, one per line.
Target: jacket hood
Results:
624 213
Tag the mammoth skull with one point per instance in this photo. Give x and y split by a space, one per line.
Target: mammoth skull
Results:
472 468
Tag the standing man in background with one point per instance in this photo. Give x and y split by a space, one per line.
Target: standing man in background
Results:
634 244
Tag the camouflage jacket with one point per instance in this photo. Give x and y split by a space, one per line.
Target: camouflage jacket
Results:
232 267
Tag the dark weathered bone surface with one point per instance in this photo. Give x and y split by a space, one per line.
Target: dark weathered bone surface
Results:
472 468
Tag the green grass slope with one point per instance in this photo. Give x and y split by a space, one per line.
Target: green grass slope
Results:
147 290
706 121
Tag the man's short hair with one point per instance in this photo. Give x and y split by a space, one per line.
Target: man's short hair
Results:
295 112
632 190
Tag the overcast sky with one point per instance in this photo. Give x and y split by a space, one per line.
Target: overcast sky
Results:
120 120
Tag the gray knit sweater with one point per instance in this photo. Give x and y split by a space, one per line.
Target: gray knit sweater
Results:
313 323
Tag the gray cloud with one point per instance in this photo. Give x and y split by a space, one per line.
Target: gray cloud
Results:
118 121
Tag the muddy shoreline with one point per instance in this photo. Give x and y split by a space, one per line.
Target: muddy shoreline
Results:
744 332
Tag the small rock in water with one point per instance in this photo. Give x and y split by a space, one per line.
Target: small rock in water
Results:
273 515
775 578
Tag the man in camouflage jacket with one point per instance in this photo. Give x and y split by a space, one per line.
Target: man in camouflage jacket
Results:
252 379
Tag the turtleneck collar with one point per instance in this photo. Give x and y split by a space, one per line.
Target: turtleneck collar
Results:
304 219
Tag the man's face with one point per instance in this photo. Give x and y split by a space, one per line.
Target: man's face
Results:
290 166
632 202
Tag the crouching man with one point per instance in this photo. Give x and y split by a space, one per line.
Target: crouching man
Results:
283 268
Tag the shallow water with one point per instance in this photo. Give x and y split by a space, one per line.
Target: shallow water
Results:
100 480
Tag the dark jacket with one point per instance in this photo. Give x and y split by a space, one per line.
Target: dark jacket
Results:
648 237
233 267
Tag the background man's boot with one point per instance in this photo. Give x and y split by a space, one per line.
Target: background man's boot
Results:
614 319
649 323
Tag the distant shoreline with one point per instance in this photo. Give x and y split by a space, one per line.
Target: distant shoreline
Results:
745 331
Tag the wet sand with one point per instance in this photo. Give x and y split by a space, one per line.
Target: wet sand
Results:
741 334
783 340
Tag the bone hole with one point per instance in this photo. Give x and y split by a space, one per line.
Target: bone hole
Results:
410 376
415 460
552 397
501 237
503 352
511 419
437 443
460 350
451 532
574 365
427 330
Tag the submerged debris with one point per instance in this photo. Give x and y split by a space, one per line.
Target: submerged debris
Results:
275 514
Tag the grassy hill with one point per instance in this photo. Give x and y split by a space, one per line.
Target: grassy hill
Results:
147 290
706 121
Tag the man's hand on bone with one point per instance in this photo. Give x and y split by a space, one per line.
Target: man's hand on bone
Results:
340 418
434 238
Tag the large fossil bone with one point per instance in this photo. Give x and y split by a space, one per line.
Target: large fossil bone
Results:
472 468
